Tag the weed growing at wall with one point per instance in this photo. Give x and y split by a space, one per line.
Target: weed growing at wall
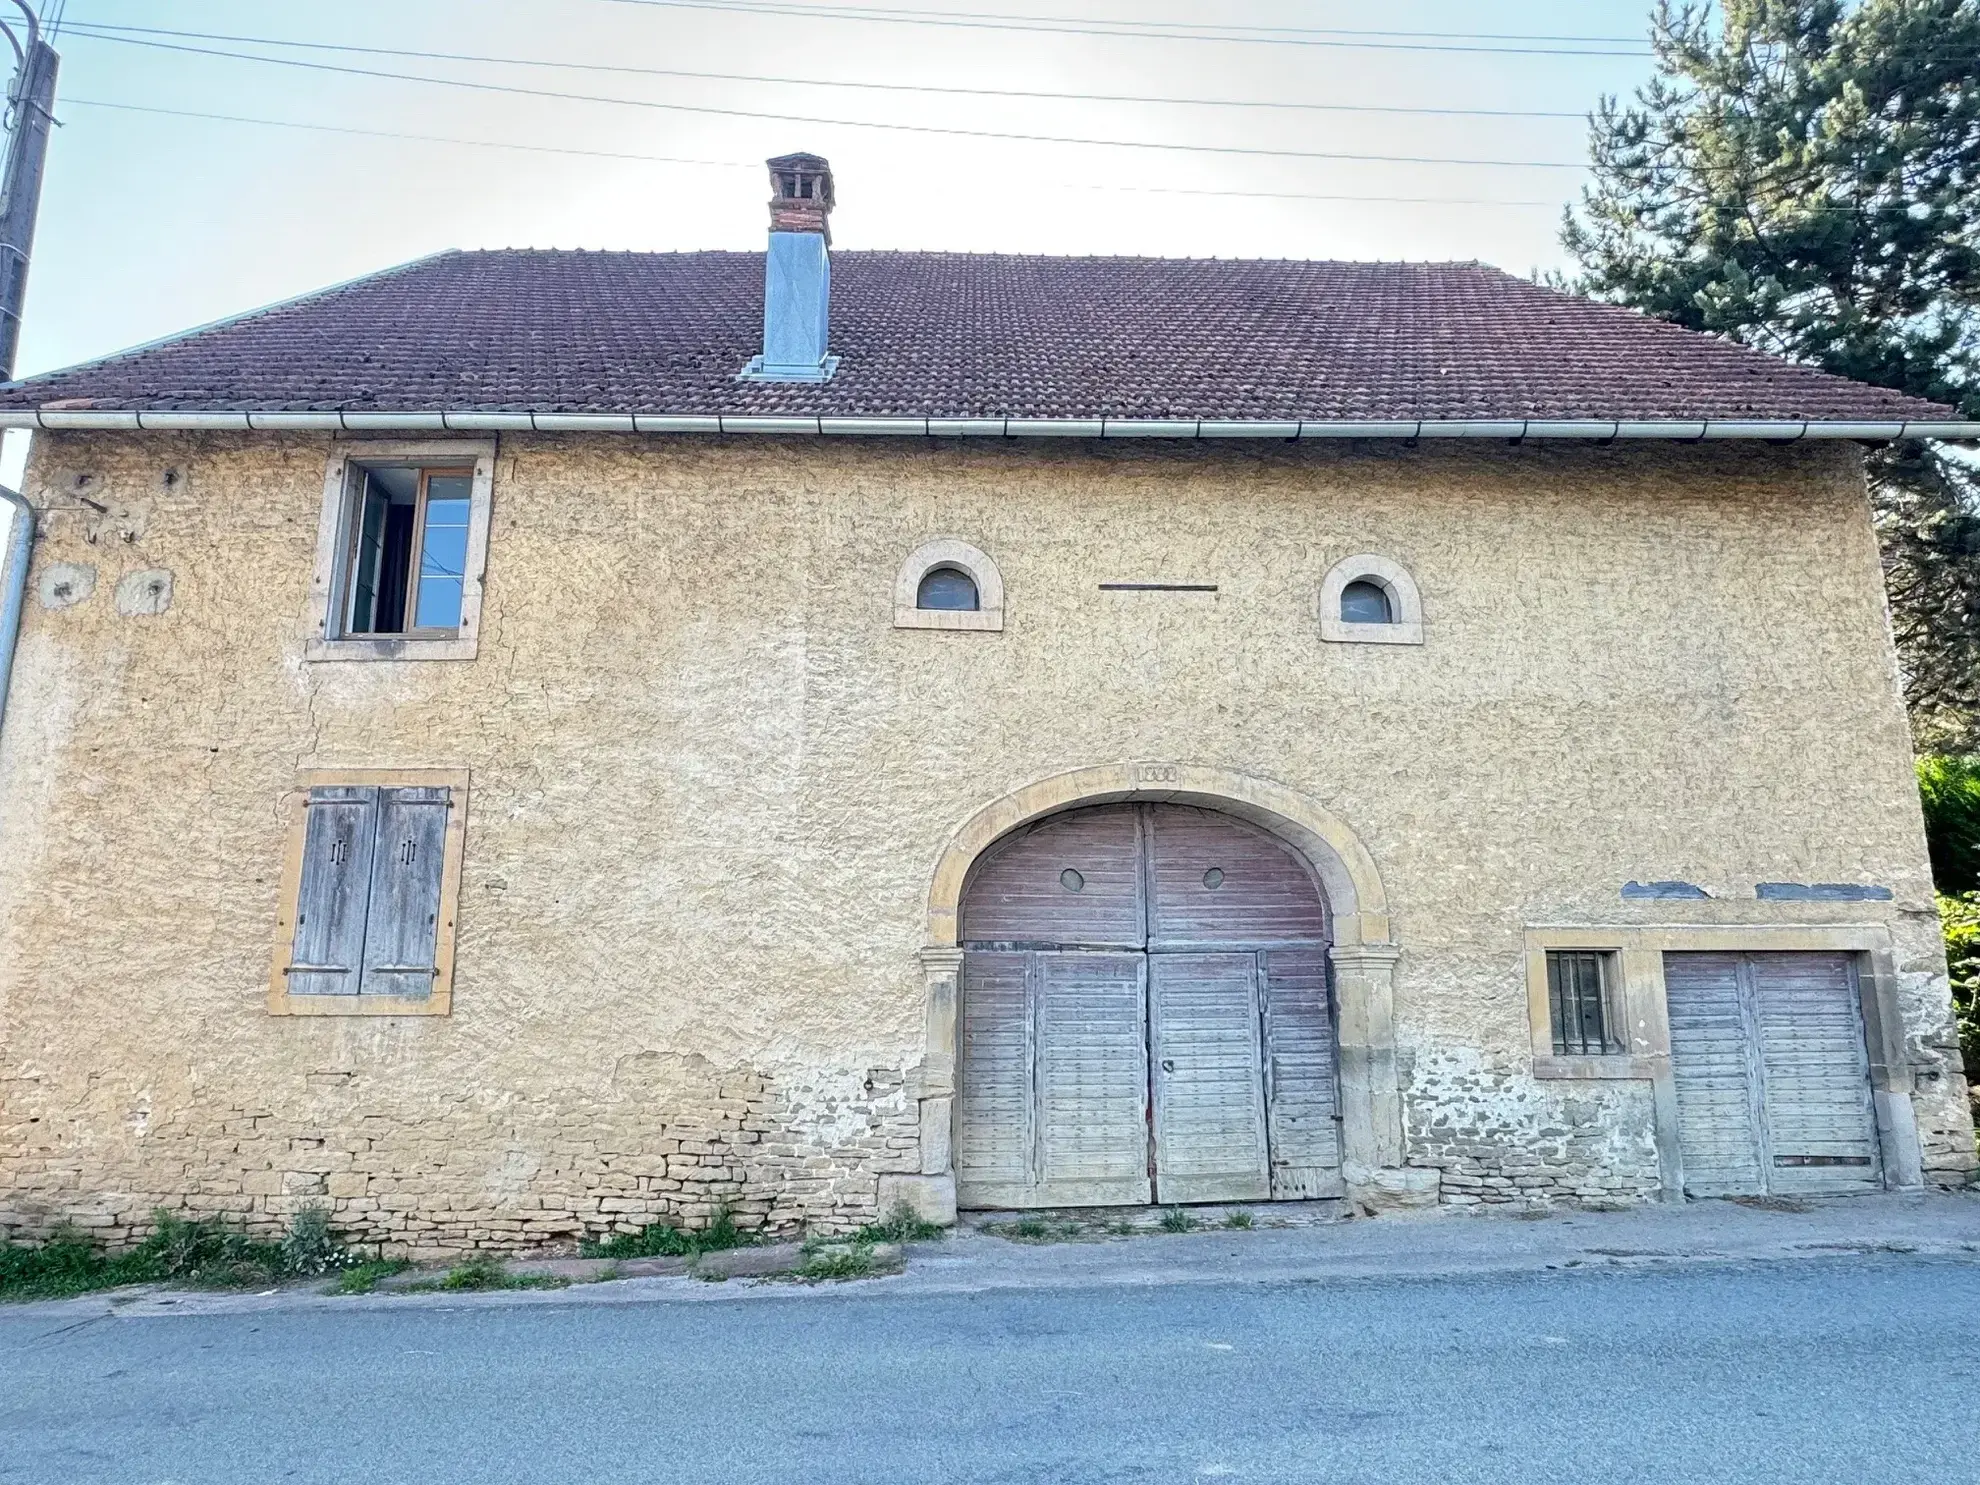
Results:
900 1226
663 1240
364 1277
207 1254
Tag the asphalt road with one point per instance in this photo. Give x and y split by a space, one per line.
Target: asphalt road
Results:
1849 1370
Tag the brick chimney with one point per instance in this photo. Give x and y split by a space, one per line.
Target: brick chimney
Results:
797 275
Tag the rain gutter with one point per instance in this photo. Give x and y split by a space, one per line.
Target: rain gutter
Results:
1588 430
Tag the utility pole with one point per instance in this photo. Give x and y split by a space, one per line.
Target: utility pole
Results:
30 116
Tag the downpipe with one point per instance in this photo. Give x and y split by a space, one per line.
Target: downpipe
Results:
13 587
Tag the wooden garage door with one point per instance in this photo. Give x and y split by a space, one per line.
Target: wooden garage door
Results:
1772 1075
1054 1108
1145 1016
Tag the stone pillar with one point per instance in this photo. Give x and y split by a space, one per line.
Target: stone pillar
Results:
932 1193
1371 1100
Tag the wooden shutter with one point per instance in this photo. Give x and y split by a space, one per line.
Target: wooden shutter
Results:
327 955
1821 1125
994 1133
1091 1074
1718 1097
402 928
1214 880
1209 1091
1021 894
1301 1099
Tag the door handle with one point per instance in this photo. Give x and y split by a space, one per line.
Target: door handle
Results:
1168 1064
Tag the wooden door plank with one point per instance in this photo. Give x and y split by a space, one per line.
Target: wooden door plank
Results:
1209 1090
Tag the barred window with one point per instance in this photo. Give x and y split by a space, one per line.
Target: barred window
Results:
1581 997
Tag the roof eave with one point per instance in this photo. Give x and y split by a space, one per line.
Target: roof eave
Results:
1777 430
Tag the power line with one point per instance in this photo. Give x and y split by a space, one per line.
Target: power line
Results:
791 118
549 149
1599 46
111 33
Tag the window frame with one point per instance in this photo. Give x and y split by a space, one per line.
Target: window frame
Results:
337 537
1405 603
949 551
439 1001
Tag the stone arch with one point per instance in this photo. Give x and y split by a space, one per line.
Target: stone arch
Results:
1364 956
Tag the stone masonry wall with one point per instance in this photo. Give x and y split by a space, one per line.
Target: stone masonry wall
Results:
710 782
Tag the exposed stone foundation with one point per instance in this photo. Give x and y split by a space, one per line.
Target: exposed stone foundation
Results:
780 1157
1499 1136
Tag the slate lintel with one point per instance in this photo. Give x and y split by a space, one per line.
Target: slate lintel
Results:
1821 892
1640 891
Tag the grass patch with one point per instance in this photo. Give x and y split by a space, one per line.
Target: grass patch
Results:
1039 1230
477 1274
201 1253
831 1265
1239 1221
362 1278
664 1240
899 1226
1177 1220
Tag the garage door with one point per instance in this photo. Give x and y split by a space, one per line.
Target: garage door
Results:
1772 1074
1145 1016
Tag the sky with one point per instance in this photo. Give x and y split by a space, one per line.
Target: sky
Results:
153 222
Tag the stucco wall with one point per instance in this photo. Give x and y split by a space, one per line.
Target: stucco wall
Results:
710 781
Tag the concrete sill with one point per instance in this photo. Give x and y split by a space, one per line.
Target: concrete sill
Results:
1641 1068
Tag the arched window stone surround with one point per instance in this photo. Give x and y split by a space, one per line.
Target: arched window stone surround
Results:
1363 954
948 551
1405 605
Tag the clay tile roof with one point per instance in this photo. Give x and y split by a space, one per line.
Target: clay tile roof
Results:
964 335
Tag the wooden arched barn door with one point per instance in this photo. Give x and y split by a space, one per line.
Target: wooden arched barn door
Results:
1145 1016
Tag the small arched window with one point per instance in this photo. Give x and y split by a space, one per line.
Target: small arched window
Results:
1363 602
947 588
1370 600
948 584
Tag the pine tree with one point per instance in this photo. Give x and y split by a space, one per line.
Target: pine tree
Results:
1803 176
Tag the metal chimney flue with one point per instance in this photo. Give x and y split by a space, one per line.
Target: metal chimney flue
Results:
797 275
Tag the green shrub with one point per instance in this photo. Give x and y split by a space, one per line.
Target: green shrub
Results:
1238 1220
1960 917
1949 789
1177 1220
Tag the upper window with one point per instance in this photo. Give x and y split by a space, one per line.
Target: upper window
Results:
1581 1003
948 584
948 588
1370 599
401 549
1363 602
408 556
369 894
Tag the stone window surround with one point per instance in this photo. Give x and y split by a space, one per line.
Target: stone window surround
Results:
1640 997
949 551
1392 578
440 1002
1363 955
331 549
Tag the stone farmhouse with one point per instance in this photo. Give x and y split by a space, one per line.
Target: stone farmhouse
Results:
532 743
